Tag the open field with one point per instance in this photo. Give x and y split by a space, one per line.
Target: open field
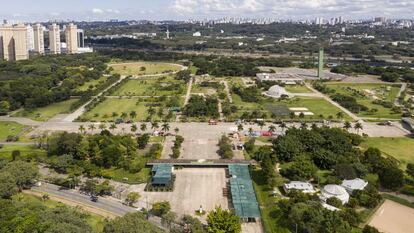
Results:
144 68
392 217
297 89
25 151
151 87
95 221
45 113
104 110
318 106
93 83
133 178
400 148
366 93
9 128
193 187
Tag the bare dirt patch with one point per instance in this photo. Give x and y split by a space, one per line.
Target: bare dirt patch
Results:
392 217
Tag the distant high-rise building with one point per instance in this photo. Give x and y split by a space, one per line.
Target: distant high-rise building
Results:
13 42
81 38
54 39
71 34
30 38
39 40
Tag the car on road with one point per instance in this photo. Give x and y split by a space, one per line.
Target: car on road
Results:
385 123
94 198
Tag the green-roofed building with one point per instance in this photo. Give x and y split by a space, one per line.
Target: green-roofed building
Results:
162 174
242 193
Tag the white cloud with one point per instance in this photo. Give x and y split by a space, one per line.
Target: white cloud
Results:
97 11
293 8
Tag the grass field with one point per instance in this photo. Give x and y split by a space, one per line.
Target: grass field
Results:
132 178
401 149
95 221
318 106
93 83
104 111
151 87
9 128
297 89
25 151
45 113
368 92
143 68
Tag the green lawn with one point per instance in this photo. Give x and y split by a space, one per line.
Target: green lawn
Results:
132 178
25 151
93 83
95 221
318 106
45 113
151 87
401 149
368 93
136 68
9 128
103 111
297 89
270 212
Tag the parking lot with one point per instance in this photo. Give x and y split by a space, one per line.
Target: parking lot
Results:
194 187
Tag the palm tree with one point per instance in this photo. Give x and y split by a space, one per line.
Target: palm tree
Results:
143 127
272 128
340 115
165 127
91 127
347 125
133 114
82 129
261 124
102 126
134 128
124 115
112 127
303 125
240 127
154 125
176 130
151 111
358 126
283 126
314 126
250 132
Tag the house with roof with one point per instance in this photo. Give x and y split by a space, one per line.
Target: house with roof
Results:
305 187
355 184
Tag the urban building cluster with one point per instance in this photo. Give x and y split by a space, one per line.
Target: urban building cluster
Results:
20 41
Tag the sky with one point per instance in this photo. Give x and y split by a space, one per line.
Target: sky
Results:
43 10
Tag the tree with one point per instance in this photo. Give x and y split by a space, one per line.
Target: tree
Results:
261 124
124 115
134 128
24 173
132 197
347 125
268 169
358 126
154 125
165 127
333 201
15 155
143 140
143 127
112 127
102 126
133 114
283 126
160 208
301 169
272 128
370 229
410 170
8 185
131 223
220 221
168 219
250 132
176 130
82 129
151 111
390 77
91 127
240 127
340 115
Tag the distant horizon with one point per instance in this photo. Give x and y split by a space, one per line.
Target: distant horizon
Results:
181 10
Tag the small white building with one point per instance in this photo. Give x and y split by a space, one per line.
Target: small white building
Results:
355 184
197 34
333 190
277 91
305 187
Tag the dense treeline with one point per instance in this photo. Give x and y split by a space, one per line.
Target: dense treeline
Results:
45 80
199 106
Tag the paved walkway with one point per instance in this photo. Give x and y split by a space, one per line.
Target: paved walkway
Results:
227 89
397 98
21 120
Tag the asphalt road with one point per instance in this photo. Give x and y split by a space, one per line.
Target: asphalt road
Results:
104 204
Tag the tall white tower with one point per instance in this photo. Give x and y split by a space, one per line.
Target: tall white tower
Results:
39 40
54 39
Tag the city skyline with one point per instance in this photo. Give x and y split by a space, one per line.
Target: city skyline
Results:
45 10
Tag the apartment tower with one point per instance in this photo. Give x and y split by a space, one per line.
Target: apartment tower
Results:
39 40
54 39
71 34
13 42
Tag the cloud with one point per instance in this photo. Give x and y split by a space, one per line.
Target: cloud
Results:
293 8
97 11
